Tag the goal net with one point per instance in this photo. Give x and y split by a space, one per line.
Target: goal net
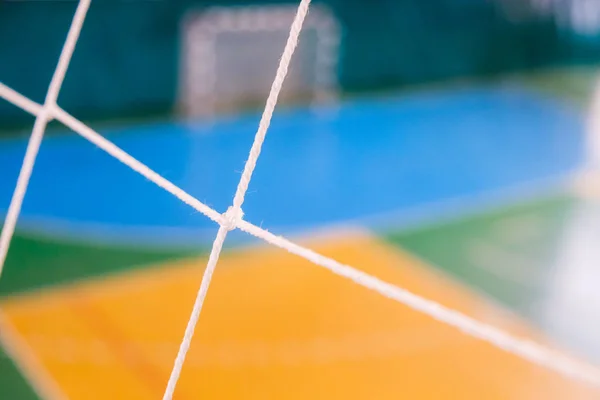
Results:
230 55
233 218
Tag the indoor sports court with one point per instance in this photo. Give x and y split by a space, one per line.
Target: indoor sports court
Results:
403 221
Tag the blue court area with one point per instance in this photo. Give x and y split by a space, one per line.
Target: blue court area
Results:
364 161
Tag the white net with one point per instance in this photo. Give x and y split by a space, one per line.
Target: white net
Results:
233 219
230 55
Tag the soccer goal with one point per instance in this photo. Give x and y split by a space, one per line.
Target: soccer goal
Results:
230 54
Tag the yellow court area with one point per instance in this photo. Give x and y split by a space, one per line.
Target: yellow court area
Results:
274 326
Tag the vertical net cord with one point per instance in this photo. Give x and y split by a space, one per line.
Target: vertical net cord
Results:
39 127
234 213
267 115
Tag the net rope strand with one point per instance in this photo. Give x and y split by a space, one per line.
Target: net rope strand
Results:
234 213
42 118
528 350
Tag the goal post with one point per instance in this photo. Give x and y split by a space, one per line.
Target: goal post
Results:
593 130
229 56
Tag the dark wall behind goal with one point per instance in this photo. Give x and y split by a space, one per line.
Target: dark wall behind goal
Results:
127 61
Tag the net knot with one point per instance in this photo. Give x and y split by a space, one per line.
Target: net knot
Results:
232 217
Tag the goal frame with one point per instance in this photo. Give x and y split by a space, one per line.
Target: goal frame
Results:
197 95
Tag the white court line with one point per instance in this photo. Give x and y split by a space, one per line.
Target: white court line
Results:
27 363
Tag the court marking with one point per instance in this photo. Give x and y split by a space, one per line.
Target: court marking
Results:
27 362
128 353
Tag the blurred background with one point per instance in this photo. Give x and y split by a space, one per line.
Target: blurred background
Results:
450 147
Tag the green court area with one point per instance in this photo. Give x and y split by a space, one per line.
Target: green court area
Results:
12 381
539 258
36 262
507 252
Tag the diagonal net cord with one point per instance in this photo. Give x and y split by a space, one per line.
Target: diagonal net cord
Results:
525 349
234 213
42 119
